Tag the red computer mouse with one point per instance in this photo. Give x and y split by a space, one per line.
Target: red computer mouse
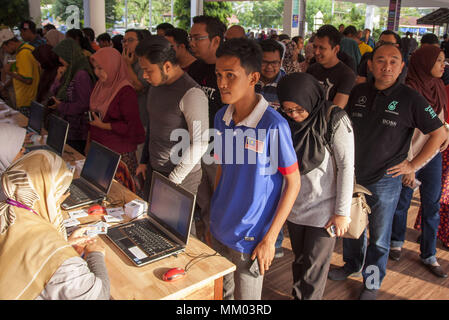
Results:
173 274
96 209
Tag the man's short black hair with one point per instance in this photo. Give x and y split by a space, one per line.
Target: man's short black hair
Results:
180 36
28 25
271 45
89 33
214 26
139 34
49 27
331 32
350 31
164 26
429 38
396 36
157 50
383 44
104 37
247 51
284 37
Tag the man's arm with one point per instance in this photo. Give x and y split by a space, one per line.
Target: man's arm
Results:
264 251
436 139
341 100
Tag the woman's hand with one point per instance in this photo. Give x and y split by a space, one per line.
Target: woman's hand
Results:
60 72
341 224
56 104
97 122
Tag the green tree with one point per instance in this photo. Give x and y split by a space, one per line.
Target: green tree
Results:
13 12
260 14
221 10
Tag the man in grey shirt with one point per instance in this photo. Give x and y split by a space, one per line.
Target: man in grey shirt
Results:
178 116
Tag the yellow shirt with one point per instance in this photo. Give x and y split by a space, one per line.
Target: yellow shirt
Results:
364 48
27 67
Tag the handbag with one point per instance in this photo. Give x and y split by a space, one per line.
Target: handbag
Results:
359 206
359 212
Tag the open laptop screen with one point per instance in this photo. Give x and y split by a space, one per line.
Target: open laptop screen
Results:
57 133
36 116
171 206
100 166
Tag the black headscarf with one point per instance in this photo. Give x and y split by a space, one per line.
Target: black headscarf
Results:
309 135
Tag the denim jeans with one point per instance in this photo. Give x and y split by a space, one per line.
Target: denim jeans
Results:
373 258
430 193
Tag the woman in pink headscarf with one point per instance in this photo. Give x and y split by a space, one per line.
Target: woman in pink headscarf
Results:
118 125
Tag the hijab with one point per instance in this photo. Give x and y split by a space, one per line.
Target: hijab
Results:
49 62
69 50
34 244
111 61
308 135
420 78
290 60
12 138
54 37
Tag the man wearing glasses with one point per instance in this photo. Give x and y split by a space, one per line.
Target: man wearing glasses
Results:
336 77
206 35
271 71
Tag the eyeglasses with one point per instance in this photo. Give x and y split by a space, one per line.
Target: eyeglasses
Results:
197 38
291 111
274 64
128 40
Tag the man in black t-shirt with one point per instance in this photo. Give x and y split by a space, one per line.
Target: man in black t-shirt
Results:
205 37
384 114
336 78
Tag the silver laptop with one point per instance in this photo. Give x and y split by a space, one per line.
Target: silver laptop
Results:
95 179
58 130
166 228
36 117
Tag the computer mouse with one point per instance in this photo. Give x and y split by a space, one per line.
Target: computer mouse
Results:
173 274
96 209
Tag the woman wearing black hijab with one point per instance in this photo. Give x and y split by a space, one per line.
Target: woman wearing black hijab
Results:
326 192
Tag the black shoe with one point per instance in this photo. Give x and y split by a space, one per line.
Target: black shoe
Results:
436 270
341 273
395 255
368 294
279 252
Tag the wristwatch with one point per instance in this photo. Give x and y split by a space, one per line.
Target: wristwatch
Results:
446 125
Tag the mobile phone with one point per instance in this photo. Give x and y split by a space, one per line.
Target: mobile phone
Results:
254 268
331 231
90 115
51 102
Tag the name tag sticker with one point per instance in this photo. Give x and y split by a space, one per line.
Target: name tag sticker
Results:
254 145
249 239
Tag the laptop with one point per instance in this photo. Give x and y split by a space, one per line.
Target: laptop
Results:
58 130
36 118
95 179
166 228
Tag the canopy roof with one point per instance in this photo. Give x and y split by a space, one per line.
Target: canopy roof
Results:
438 17
406 3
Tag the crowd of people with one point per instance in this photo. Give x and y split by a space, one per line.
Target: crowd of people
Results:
290 124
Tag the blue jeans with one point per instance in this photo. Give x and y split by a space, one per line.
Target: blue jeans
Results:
430 193
373 258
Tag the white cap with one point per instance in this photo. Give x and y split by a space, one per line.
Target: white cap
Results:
5 35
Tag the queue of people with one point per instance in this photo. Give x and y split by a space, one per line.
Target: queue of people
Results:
289 126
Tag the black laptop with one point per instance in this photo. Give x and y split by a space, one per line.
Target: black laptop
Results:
36 118
95 179
166 228
58 130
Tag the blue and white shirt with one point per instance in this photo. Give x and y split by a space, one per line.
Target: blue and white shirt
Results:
254 155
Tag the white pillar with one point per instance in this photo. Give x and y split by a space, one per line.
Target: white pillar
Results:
302 17
95 16
369 17
196 9
35 11
292 16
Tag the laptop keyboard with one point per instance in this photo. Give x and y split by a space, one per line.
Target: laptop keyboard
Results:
147 237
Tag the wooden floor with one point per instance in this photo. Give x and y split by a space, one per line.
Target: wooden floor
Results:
406 279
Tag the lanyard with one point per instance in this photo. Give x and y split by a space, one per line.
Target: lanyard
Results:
19 205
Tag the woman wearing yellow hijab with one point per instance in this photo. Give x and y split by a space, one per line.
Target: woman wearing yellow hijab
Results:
36 259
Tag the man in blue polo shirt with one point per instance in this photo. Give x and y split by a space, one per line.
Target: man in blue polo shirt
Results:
256 156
